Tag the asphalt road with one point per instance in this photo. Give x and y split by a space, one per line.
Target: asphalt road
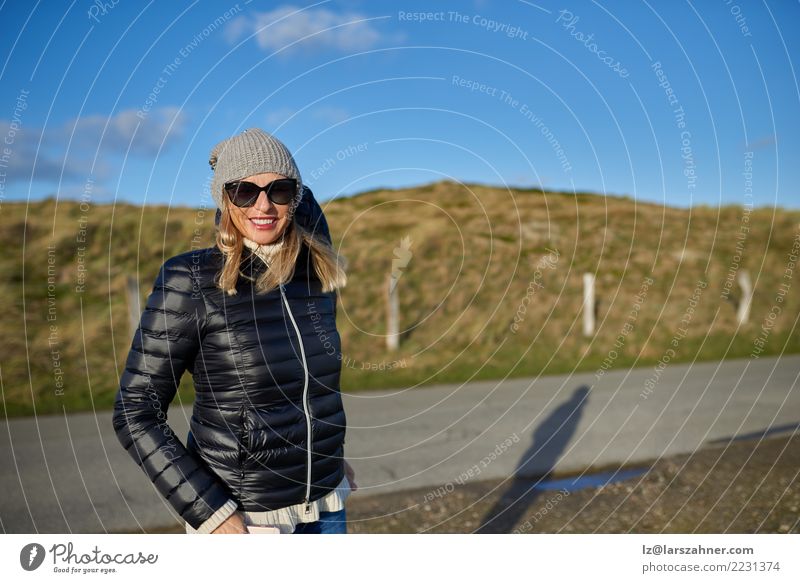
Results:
68 473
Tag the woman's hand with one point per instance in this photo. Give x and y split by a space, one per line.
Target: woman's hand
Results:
234 524
351 476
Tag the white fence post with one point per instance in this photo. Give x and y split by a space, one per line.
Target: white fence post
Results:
392 313
588 304
134 309
743 312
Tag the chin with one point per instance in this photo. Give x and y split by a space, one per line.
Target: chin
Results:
264 237
262 240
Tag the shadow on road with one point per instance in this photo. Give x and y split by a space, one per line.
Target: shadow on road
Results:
536 465
760 434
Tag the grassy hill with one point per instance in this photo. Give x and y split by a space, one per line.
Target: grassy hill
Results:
492 286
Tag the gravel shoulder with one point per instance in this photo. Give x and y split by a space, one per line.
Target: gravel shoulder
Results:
749 486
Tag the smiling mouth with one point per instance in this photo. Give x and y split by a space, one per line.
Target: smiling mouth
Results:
269 221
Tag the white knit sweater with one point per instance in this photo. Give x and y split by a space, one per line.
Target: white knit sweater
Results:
286 519
266 252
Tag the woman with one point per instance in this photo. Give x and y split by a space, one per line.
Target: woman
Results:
253 319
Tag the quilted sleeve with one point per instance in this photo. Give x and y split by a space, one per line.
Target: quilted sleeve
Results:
165 345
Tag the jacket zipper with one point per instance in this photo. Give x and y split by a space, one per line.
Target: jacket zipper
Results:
305 401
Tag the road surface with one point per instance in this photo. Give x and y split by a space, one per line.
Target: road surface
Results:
70 474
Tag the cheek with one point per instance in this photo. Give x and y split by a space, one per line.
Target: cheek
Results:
239 221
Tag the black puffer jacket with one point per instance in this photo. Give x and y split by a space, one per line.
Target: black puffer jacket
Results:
266 373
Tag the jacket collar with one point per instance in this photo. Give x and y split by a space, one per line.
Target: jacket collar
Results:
253 265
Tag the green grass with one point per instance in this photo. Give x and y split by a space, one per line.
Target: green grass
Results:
459 293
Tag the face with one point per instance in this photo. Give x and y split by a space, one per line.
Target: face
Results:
273 218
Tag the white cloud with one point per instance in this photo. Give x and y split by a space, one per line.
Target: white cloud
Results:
41 153
330 113
278 116
127 131
324 29
327 113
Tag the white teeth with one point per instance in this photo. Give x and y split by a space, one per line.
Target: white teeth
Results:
263 221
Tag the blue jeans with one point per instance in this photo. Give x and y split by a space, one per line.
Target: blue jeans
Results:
328 523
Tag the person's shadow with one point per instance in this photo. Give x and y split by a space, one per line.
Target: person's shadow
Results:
536 465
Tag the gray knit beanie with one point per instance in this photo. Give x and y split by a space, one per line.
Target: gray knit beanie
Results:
251 152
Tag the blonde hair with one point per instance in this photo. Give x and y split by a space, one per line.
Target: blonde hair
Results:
328 265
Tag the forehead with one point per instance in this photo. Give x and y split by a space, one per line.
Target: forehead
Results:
264 177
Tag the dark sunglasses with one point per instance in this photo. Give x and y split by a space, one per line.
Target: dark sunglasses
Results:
244 194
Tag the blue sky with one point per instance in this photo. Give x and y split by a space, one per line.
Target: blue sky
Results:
683 103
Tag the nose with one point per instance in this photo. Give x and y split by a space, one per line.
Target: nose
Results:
262 202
